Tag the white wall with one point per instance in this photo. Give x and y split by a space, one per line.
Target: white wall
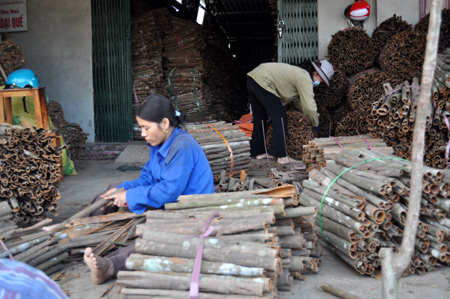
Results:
332 19
58 47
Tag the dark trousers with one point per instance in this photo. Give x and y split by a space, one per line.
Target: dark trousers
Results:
265 104
119 256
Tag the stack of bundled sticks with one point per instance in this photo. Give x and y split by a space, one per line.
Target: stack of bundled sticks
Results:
403 55
393 118
29 172
72 133
228 148
299 132
11 59
351 51
364 89
184 42
444 42
384 32
146 55
46 247
365 209
256 247
318 151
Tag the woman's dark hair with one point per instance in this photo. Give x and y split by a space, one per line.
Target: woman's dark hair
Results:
156 107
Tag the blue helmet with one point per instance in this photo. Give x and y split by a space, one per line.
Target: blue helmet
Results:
23 78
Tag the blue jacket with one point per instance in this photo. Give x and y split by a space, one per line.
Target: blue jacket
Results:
177 167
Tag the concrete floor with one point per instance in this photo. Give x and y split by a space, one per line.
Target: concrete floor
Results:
95 175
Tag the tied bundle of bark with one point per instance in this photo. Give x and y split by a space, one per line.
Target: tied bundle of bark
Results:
184 42
241 250
217 150
422 26
11 58
72 133
365 209
29 172
299 132
364 88
339 119
318 151
393 118
234 260
351 51
293 226
384 32
46 248
403 56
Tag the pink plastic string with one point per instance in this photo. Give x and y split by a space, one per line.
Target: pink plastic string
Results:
7 250
367 141
337 141
207 230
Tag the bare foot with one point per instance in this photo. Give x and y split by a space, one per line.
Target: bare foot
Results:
263 156
286 160
102 268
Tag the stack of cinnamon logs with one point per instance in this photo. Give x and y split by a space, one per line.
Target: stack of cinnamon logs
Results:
184 62
11 58
29 172
300 132
392 118
72 133
318 151
260 242
351 51
365 209
217 148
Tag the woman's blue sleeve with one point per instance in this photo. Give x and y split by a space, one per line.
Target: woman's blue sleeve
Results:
146 178
174 178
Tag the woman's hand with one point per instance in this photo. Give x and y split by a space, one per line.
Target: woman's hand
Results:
118 198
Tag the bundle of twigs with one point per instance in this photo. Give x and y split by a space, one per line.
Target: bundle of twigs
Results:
230 152
11 58
299 132
146 55
366 207
393 119
72 133
364 88
351 51
444 42
318 151
403 56
253 250
384 32
29 172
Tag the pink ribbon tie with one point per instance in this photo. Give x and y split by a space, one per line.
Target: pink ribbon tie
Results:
207 230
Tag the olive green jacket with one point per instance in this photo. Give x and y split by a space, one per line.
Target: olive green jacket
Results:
291 84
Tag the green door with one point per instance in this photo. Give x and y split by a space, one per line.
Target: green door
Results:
112 70
299 39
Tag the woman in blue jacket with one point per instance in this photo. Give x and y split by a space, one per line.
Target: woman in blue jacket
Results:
177 166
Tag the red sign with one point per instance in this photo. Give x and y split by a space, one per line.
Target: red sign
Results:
13 15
